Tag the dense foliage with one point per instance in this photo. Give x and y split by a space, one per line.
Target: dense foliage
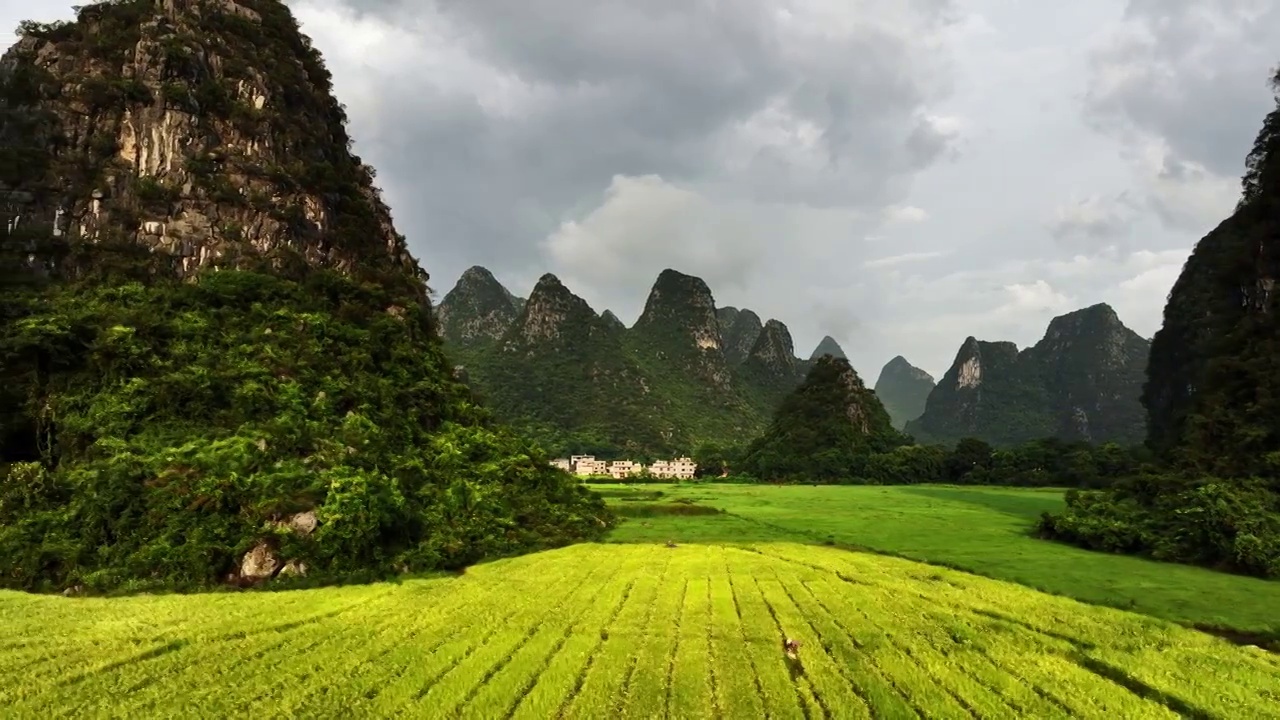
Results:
582 383
1213 400
823 430
1081 381
166 427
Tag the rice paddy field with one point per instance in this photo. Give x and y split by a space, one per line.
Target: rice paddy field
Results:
633 628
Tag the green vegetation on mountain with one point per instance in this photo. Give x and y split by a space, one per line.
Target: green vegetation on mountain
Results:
1212 401
823 429
563 374
687 378
227 367
477 311
739 330
1082 381
904 389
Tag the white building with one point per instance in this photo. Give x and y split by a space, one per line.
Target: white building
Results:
562 464
619 469
681 468
587 465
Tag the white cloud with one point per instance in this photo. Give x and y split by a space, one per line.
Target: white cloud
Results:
902 259
905 214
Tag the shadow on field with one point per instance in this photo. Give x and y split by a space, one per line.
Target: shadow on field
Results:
1022 505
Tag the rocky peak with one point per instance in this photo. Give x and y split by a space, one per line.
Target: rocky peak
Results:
835 383
774 351
828 346
612 321
975 359
679 324
1095 330
904 389
204 131
552 314
477 309
739 330
682 304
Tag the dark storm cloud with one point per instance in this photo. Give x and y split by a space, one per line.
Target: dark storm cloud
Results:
1193 73
817 103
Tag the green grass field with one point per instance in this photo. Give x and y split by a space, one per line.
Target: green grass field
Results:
633 628
637 631
981 530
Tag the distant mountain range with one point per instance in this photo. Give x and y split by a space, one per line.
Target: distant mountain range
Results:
689 373
686 373
1082 382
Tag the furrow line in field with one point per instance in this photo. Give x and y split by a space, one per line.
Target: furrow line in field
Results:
484 659
648 693
624 693
509 679
848 698
798 677
297 669
717 707
778 689
363 671
675 647
737 612
540 694
740 693
602 691
59 658
107 689
877 683
483 620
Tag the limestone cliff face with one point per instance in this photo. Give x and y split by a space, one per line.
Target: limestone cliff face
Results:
1081 382
679 322
971 390
477 310
203 130
904 389
739 330
774 352
553 316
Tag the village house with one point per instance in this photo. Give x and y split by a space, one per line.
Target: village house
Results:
619 469
587 465
682 468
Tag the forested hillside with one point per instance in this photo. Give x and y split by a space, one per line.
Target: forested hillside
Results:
685 376
219 362
1081 381
1212 400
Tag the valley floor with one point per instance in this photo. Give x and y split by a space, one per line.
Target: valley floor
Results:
628 630
985 530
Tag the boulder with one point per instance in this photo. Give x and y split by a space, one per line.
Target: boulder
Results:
260 563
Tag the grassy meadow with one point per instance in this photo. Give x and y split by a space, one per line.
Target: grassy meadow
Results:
634 628
977 529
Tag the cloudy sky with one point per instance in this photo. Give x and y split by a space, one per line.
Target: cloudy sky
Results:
899 174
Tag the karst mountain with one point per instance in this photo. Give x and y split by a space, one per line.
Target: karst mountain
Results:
220 360
685 373
1081 382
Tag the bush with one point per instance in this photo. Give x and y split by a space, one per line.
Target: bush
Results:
187 420
1228 524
